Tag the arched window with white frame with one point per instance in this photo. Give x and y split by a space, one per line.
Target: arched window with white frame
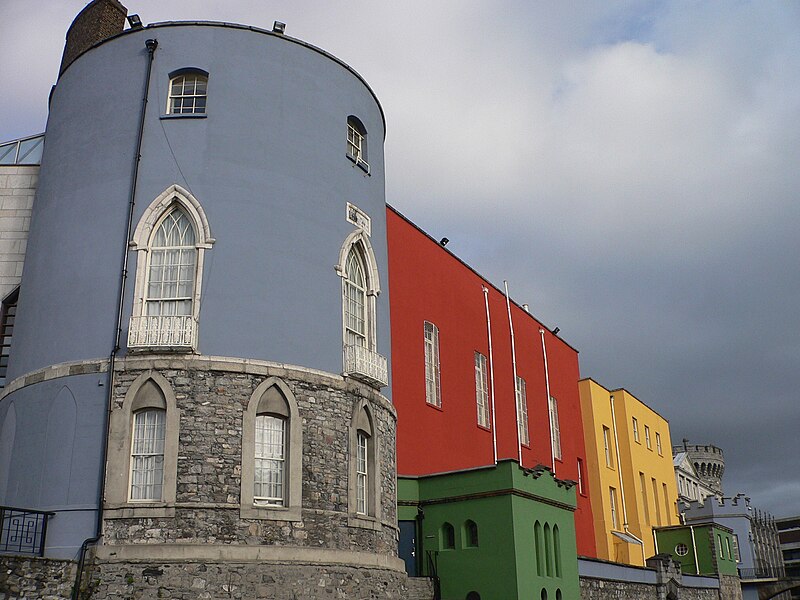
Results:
170 241
360 287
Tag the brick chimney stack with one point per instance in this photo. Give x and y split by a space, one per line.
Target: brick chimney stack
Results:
99 20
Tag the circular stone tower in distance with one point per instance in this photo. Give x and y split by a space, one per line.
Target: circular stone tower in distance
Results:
709 462
207 327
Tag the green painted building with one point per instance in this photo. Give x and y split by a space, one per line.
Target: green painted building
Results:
707 549
498 532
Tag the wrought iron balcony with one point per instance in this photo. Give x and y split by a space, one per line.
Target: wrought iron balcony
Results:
163 333
365 365
23 531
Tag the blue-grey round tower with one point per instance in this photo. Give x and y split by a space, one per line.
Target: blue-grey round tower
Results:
203 321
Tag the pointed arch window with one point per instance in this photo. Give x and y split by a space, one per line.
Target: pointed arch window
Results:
271 454
170 241
364 472
143 453
360 288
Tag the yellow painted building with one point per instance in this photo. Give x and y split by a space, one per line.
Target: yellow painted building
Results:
629 470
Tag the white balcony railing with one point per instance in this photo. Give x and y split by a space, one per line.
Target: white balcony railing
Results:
165 332
367 366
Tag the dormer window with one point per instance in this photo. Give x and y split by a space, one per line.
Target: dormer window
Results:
188 91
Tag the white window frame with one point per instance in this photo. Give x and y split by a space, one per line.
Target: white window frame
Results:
200 79
612 499
635 423
433 384
658 444
647 440
362 472
270 460
607 447
521 394
174 196
482 390
148 437
555 429
580 477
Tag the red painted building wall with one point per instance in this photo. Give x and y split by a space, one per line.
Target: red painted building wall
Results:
428 283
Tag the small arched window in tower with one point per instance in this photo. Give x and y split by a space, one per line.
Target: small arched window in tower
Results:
357 142
448 536
188 92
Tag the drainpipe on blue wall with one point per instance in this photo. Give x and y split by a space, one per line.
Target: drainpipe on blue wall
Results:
151 45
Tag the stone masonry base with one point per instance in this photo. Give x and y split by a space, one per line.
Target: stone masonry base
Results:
245 581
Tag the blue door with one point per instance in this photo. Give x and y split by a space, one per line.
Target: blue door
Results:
408 546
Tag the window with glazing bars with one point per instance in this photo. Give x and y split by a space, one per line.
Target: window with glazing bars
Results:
356 140
172 270
188 94
362 491
147 454
522 411
355 300
433 392
481 390
270 460
555 430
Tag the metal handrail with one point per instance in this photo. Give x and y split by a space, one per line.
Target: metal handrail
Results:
23 530
762 573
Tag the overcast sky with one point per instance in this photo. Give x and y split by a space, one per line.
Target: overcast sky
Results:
631 168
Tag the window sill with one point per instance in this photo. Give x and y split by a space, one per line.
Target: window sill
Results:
361 164
434 406
485 427
139 511
364 522
185 116
271 513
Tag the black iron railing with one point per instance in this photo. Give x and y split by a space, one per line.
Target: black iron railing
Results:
23 531
762 573
433 573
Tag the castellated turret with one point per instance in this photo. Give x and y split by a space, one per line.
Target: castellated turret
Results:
709 462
